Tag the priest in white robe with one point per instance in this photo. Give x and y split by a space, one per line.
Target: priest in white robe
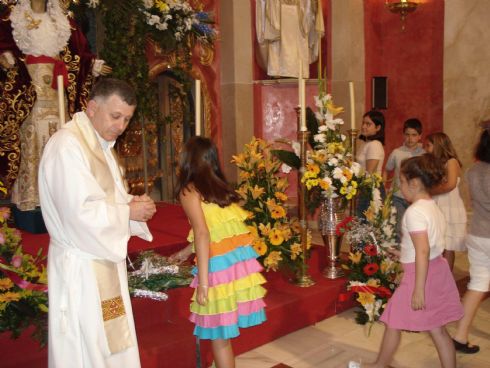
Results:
90 218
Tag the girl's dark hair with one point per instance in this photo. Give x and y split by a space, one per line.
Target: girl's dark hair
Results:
443 148
199 166
482 151
430 170
379 120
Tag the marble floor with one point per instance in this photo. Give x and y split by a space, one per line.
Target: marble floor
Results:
332 343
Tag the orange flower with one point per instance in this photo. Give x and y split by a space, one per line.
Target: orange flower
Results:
260 247
275 237
281 196
278 212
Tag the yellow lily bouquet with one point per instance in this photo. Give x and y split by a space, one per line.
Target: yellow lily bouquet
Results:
330 170
23 285
262 189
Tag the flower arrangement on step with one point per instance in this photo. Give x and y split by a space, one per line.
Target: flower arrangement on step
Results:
330 170
151 274
374 275
262 189
23 285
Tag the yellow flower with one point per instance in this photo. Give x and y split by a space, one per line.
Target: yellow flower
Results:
281 196
162 6
334 110
295 250
257 191
365 298
355 257
343 190
9 297
347 173
272 260
278 212
313 168
265 229
319 156
239 159
253 231
312 183
244 175
295 225
275 237
281 184
260 247
324 185
242 191
6 284
286 232
370 214
373 282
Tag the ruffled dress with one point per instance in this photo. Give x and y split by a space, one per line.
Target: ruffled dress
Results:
235 294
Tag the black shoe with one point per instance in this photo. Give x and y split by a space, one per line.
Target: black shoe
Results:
466 348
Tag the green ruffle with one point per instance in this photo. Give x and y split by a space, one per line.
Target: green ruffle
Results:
229 304
223 222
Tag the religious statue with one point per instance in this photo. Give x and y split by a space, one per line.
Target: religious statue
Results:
38 42
289 33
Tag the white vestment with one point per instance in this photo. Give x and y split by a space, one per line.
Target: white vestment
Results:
288 32
84 225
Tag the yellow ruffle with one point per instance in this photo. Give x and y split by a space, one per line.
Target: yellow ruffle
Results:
224 291
223 222
229 304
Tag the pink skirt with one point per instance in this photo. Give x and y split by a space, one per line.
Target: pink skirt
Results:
442 302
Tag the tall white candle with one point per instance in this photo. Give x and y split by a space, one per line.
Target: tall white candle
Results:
352 106
301 98
303 106
61 99
198 107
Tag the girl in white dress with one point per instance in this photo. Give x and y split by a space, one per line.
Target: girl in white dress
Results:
447 196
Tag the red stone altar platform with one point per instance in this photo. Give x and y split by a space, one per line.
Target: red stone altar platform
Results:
165 335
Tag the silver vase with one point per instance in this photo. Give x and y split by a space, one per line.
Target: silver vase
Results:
332 212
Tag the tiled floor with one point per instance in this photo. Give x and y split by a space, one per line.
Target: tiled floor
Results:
332 343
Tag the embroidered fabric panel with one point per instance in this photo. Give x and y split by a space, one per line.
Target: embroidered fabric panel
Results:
112 308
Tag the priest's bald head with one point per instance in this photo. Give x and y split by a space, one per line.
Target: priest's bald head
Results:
110 107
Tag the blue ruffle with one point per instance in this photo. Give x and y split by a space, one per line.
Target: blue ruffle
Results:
224 261
231 331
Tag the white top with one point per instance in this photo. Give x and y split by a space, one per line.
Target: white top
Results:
423 216
395 160
372 150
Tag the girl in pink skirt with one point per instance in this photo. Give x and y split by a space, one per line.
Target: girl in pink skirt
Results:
427 298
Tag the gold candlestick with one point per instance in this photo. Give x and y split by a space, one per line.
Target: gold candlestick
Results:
303 279
353 133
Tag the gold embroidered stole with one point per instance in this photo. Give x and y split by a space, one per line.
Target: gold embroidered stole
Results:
112 306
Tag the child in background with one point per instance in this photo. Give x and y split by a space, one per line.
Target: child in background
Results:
427 298
447 196
228 293
412 132
371 153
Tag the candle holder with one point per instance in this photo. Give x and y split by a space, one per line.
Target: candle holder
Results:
303 279
353 133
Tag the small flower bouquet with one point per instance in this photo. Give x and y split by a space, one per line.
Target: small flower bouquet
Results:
23 285
374 275
178 19
262 189
151 274
331 170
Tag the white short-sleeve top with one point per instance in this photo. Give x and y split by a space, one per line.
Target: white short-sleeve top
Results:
372 150
423 216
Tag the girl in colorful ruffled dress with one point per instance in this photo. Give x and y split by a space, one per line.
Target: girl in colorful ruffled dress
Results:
228 293
427 298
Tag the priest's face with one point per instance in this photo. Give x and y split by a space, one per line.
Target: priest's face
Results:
110 116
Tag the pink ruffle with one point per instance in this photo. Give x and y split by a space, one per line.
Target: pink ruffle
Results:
226 319
235 272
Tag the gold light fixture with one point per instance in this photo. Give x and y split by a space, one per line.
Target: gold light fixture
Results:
403 8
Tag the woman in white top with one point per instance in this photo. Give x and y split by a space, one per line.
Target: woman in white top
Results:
372 154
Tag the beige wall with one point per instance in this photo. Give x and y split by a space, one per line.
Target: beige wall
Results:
348 56
236 79
466 74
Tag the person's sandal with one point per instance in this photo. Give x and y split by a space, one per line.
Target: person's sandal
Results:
466 348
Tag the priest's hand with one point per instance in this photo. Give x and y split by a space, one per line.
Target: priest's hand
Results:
141 208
